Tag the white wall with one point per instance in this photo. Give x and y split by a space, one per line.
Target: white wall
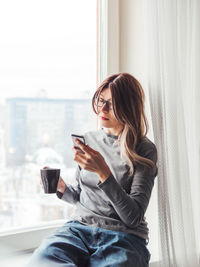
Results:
124 31
132 56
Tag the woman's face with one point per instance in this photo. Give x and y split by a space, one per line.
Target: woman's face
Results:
106 114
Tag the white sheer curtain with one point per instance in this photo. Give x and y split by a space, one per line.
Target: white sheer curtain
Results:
174 88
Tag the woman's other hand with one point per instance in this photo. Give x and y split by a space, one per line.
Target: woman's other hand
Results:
61 185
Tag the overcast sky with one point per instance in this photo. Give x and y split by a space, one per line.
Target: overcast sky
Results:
47 44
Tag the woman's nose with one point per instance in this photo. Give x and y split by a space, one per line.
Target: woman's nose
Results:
105 107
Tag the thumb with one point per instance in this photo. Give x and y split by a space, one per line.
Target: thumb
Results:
46 167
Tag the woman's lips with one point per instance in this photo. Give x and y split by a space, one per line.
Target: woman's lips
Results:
105 119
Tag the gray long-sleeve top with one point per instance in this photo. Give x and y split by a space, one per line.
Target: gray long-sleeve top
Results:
120 202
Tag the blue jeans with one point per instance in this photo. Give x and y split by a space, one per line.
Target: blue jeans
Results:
78 245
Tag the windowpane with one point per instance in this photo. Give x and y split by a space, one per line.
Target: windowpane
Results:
47 79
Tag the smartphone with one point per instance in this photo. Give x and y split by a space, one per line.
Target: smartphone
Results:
79 137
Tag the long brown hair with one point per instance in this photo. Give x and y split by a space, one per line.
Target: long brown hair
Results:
128 108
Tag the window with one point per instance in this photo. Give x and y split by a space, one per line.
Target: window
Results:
47 79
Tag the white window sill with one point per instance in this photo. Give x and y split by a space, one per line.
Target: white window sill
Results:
25 239
17 261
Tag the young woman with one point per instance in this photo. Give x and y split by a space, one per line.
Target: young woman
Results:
115 177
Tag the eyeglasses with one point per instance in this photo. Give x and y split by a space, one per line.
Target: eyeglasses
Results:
99 102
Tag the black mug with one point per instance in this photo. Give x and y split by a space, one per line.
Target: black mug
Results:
50 178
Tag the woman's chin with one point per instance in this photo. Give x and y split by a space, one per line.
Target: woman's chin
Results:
106 123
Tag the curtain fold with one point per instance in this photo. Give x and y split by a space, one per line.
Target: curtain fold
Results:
173 28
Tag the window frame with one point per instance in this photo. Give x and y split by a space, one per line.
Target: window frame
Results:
108 39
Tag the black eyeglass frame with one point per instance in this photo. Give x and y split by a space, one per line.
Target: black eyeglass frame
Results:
100 105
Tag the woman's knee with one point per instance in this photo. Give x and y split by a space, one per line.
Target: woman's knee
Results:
59 249
46 251
49 256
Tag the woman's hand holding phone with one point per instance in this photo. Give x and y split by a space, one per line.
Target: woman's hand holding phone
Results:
91 160
80 138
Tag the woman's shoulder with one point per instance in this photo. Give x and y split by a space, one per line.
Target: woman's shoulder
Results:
146 146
